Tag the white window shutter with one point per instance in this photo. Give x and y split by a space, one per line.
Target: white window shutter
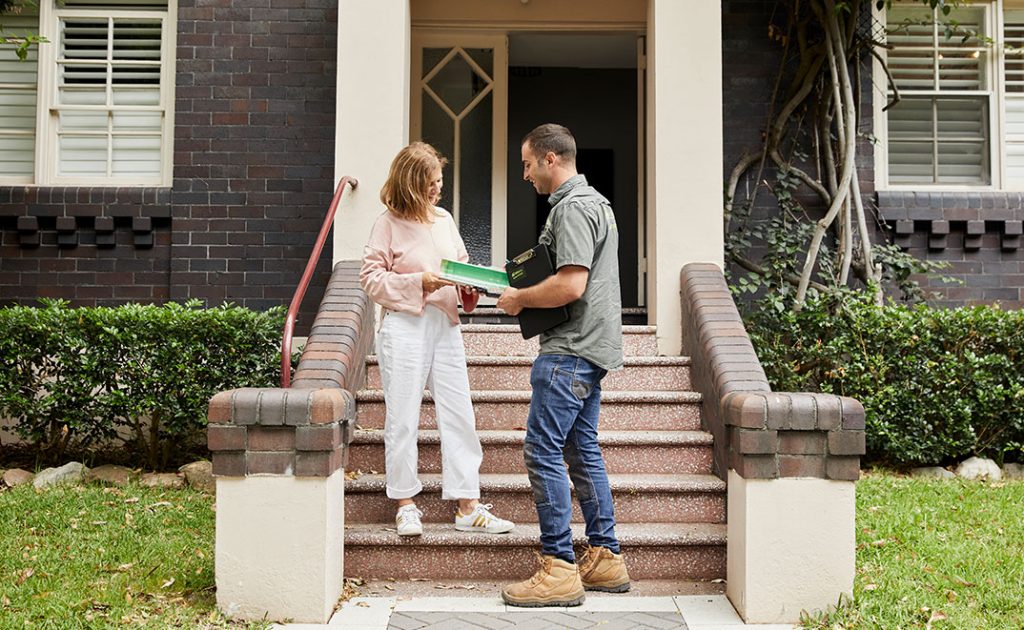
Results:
1013 67
110 123
939 131
18 102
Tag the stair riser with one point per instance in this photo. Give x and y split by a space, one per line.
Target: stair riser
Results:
517 377
508 458
410 560
630 507
505 416
502 344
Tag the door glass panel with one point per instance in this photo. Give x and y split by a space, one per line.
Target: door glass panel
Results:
475 182
484 57
457 118
457 84
439 131
432 57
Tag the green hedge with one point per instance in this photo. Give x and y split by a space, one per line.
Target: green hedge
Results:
938 385
136 374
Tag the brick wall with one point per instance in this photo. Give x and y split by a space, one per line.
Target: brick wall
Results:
253 176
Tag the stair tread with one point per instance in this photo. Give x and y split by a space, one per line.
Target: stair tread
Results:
528 534
629 361
518 482
607 396
483 590
509 328
605 438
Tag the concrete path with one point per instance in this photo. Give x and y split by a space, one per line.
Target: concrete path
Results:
607 612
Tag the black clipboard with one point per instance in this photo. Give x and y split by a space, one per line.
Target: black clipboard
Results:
527 269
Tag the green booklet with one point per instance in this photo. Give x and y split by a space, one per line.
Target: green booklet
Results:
487 279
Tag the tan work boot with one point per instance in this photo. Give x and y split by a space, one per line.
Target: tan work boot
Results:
602 570
557 583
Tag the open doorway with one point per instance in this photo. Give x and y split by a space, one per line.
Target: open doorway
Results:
589 83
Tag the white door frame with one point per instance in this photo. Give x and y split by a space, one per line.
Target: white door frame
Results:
440 38
684 145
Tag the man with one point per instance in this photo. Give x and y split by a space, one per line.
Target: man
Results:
566 378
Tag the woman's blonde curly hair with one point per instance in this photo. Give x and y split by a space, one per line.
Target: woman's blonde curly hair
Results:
407 189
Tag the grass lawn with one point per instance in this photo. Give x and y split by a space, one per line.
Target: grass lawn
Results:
94 557
936 554
930 554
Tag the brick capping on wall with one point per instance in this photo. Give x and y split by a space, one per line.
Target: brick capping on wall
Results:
758 433
304 430
341 336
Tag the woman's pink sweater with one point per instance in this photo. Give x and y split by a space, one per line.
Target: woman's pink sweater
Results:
398 253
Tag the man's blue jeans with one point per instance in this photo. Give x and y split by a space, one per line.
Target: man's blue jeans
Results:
562 429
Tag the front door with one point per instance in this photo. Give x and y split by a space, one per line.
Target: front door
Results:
475 95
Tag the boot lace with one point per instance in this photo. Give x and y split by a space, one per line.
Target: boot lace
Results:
542 572
589 558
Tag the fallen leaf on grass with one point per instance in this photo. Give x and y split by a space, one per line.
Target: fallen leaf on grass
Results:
870 587
963 582
169 582
132 500
937 615
159 504
25 574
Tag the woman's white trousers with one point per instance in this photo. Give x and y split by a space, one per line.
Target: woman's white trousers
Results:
417 352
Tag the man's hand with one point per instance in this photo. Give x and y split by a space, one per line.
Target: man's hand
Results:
510 302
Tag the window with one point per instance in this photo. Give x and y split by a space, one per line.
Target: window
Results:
105 85
959 89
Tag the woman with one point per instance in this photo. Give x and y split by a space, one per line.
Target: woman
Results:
420 344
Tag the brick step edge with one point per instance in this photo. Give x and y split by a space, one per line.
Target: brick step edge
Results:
528 535
507 483
604 438
524 396
500 360
630 329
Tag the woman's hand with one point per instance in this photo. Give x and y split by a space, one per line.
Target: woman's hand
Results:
432 283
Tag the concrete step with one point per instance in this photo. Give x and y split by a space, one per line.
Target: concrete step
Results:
504 410
638 498
484 590
635 452
506 340
689 551
513 373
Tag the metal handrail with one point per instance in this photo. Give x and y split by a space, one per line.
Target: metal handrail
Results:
300 291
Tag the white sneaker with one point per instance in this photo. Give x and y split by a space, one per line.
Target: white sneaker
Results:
408 522
481 520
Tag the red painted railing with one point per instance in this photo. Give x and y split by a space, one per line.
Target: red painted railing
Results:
300 291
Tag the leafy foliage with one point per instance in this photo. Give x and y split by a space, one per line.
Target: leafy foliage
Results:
137 373
937 384
24 41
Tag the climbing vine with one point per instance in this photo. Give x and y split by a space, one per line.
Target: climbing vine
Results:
812 140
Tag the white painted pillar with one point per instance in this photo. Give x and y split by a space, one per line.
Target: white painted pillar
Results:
684 152
791 546
372 122
279 546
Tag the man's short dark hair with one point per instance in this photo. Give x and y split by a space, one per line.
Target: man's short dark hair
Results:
552 138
